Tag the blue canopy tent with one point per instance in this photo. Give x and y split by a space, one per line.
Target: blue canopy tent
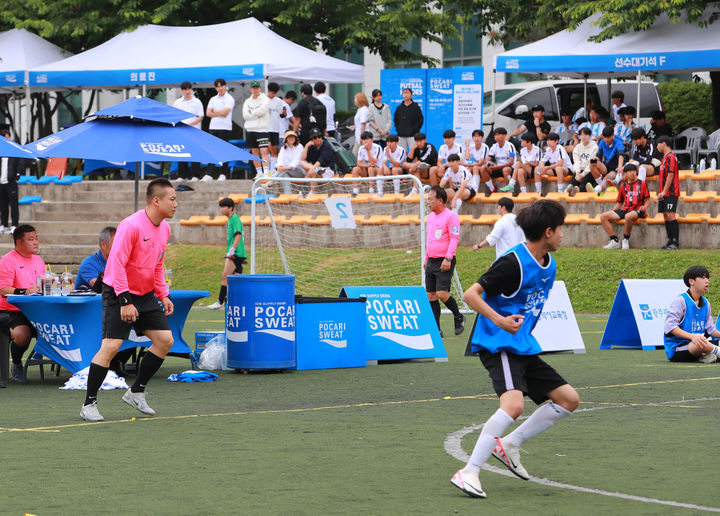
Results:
667 47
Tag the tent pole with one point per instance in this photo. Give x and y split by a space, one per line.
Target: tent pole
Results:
142 163
585 97
637 106
494 110
28 139
137 187
609 101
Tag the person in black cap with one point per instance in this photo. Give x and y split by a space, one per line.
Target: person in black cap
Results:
537 125
659 127
318 157
644 155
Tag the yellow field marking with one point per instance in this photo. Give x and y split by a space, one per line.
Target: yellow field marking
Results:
587 332
57 428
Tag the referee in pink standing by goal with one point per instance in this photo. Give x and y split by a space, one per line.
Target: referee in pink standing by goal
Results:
443 236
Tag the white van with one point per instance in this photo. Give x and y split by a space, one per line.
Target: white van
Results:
514 101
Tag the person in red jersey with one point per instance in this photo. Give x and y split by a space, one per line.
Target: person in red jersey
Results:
632 204
669 191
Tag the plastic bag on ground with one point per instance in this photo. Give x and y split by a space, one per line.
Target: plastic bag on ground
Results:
214 356
78 381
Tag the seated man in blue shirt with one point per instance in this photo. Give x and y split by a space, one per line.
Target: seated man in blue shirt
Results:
92 268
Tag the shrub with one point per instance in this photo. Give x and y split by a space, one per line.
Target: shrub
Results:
687 104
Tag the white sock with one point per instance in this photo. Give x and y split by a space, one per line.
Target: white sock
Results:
618 178
273 162
512 183
396 185
458 203
493 427
538 186
642 172
716 350
379 186
490 185
371 190
540 420
476 183
523 189
356 190
413 191
598 189
561 186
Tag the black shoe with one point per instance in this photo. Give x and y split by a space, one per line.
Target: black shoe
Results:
666 246
441 334
18 373
459 324
672 246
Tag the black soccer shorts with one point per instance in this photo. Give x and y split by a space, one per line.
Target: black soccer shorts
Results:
668 204
255 140
151 315
437 280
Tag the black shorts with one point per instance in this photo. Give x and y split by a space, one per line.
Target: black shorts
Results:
437 280
255 140
471 190
274 138
668 204
683 355
18 318
526 373
497 173
621 213
238 261
151 315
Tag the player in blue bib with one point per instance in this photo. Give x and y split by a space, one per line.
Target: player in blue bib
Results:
509 298
689 321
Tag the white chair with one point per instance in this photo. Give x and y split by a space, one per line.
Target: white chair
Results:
692 137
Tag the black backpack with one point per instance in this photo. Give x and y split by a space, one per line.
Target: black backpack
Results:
318 114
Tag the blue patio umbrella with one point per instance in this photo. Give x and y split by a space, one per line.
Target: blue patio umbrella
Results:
144 108
10 149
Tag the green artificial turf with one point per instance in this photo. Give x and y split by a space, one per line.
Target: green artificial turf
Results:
362 441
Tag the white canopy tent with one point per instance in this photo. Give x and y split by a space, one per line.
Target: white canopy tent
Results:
159 56
20 51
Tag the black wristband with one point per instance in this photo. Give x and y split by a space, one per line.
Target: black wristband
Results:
20 291
124 299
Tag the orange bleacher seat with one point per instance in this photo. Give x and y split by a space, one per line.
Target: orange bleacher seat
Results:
593 221
388 198
482 220
236 197
296 220
195 220
581 197
494 197
415 198
219 220
284 199
405 220
313 198
576 218
376 220
363 198
320 220
694 218
685 174
705 175
527 197
557 196
699 196
56 167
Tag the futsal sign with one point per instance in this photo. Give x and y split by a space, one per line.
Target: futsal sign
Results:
557 329
637 317
399 323
341 214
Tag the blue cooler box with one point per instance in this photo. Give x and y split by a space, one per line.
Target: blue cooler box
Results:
330 332
260 321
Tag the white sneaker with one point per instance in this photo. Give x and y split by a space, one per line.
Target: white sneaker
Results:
222 177
91 413
206 178
468 483
137 400
328 173
194 179
3 230
612 244
708 358
412 192
10 230
216 306
371 190
625 244
456 209
509 454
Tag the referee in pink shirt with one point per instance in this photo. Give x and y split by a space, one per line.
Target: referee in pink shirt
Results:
19 270
134 281
443 235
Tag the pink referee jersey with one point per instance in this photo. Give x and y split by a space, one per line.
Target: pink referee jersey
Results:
136 259
443 234
18 272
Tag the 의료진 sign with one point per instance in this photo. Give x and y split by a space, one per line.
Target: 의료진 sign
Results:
637 316
399 323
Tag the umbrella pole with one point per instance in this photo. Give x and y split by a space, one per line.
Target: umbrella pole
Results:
586 115
137 184
494 111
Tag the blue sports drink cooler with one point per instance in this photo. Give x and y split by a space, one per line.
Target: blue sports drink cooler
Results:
260 321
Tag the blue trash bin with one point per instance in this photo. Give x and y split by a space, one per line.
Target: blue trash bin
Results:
260 321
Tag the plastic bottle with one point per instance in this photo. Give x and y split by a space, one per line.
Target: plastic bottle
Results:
702 166
56 288
65 283
713 164
47 283
168 278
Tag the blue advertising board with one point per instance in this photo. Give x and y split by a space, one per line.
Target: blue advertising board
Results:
439 112
399 323
394 81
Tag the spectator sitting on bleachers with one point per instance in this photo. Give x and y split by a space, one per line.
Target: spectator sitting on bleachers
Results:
525 166
609 163
632 204
476 154
617 99
447 148
537 125
624 129
19 270
395 156
582 114
421 160
318 157
595 123
556 161
644 154
92 268
457 182
370 159
288 162
583 152
567 131
500 162
659 127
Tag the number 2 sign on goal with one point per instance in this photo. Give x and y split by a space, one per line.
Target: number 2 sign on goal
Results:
341 214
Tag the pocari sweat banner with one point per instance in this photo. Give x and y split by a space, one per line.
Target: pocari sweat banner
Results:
399 323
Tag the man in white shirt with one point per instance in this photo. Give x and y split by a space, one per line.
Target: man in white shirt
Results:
505 234
256 112
10 171
329 103
555 161
219 110
190 103
445 150
476 153
457 182
277 106
370 161
525 166
500 162
395 156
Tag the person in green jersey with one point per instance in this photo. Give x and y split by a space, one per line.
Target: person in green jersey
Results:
235 255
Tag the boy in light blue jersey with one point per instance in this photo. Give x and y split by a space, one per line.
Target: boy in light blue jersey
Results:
509 298
689 321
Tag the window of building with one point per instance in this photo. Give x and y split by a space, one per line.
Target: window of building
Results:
465 50
344 93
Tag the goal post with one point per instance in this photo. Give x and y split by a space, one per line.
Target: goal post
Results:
329 238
